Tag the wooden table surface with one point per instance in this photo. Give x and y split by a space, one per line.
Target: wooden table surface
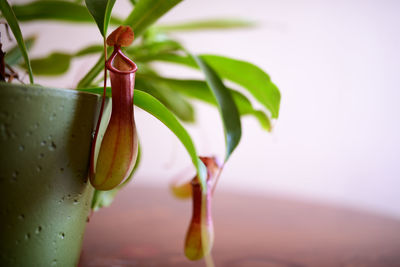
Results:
146 227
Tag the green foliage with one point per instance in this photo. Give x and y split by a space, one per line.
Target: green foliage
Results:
14 56
54 64
226 105
251 77
146 12
9 15
198 89
210 24
55 10
101 12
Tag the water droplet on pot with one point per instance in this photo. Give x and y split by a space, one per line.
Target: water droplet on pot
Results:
41 155
52 146
38 229
21 147
39 168
43 143
27 236
21 216
54 263
14 176
53 116
62 235
76 202
61 169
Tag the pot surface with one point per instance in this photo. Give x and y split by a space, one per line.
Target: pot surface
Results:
45 138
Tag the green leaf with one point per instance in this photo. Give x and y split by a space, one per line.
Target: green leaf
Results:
249 76
199 90
153 48
92 49
150 104
101 12
173 100
54 64
146 12
55 10
102 199
226 105
158 110
210 24
9 15
52 10
14 56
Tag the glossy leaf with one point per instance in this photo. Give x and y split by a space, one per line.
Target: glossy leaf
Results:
150 104
54 64
101 12
55 10
9 15
199 90
251 77
173 100
226 105
248 75
14 55
92 49
146 12
210 24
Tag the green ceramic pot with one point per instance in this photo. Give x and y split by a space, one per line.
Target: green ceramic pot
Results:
45 138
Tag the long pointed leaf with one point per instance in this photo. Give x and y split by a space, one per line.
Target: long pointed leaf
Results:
226 105
101 12
55 10
14 56
210 24
56 63
147 12
199 90
9 15
248 75
251 77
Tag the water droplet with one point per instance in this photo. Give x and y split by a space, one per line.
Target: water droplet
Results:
27 236
39 168
53 116
43 143
61 169
21 216
28 133
62 235
38 230
54 263
16 242
49 137
14 176
76 202
21 147
36 125
52 146
41 155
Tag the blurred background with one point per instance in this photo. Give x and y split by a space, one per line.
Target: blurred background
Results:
337 139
